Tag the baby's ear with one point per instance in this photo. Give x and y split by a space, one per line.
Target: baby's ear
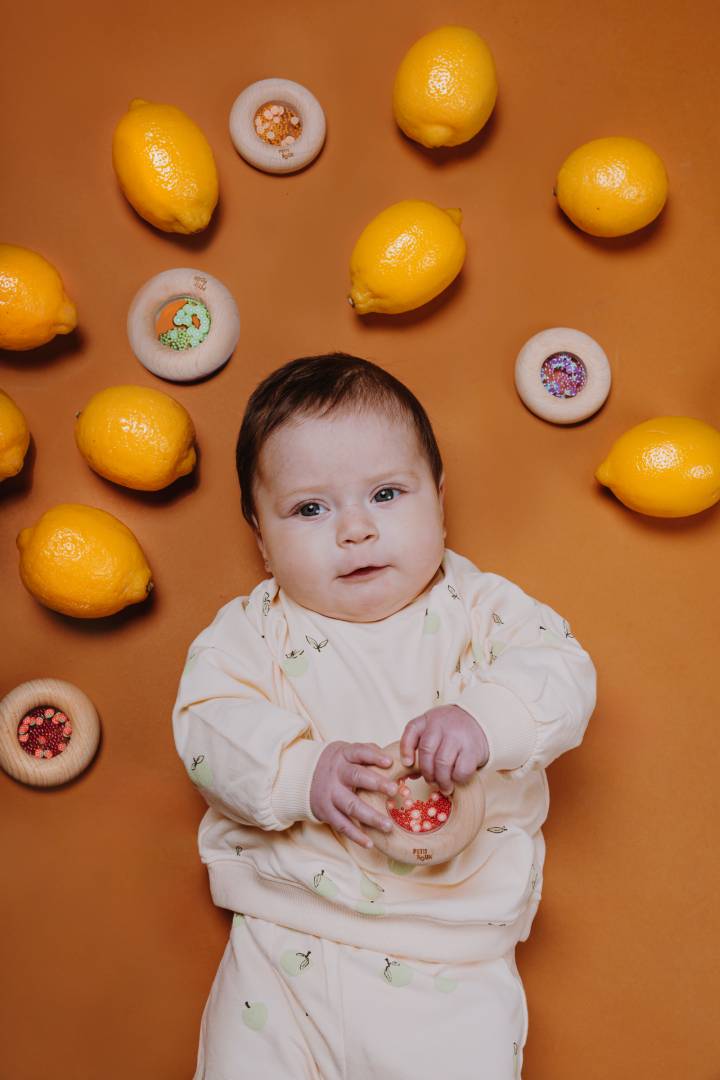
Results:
260 543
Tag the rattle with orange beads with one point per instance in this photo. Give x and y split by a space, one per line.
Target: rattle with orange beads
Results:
428 827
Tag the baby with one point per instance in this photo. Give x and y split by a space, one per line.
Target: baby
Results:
343 963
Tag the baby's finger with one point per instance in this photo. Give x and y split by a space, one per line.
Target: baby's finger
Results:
445 757
343 825
355 776
355 807
368 754
465 767
427 750
410 737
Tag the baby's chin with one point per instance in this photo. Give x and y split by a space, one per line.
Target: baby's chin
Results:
360 600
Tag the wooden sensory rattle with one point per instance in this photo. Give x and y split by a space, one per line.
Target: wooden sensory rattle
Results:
49 732
183 324
562 375
429 828
277 125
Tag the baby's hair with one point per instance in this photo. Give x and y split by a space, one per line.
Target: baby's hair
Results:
316 386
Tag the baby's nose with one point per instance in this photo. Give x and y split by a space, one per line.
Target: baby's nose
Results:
356 527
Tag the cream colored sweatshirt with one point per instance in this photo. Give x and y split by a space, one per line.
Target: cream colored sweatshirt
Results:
268 683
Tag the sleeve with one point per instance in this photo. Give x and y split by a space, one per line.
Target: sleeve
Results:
534 686
252 761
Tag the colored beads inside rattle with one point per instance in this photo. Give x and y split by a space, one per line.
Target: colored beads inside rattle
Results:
182 323
563 374
277 123
44 732
416 814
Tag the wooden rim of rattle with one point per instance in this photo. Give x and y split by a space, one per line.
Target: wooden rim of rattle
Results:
562 375
49 732
183 324
428 827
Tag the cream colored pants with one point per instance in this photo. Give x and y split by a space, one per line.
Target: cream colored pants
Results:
290 1006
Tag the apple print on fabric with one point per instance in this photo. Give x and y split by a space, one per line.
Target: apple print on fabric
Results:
400 868
397 974
295 663
431 623
293 963
445 984
497 648
369 907
191 661
238 919
324 885
254 1015
200 772
369 889
551 637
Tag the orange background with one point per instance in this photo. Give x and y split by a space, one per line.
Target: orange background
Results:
111 938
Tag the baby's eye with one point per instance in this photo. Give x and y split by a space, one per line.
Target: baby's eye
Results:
382 495
309 506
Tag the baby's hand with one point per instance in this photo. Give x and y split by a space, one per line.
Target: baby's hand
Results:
338 772
452 745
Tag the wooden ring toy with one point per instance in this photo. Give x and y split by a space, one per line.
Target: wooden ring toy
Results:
277 125
183 324
562 375
49 732
429 828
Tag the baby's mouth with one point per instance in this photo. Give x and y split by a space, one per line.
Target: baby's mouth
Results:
363 571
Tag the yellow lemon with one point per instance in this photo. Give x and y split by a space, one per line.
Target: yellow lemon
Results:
82 561
165 167
14 437
445 87
613 186
136 436
406 256
666 467
33 304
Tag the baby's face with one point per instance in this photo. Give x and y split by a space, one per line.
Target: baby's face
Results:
343 492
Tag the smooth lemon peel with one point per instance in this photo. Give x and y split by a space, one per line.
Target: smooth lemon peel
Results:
665 467
165 167
612 186
405 257
136 436
14 437
82 561
34 306
445 87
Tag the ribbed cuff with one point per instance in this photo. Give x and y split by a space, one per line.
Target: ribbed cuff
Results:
508 725
290 797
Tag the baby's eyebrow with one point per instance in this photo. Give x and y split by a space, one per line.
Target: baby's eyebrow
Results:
389 474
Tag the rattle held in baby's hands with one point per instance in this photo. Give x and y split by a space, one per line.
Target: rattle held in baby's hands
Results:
427 826
406 817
